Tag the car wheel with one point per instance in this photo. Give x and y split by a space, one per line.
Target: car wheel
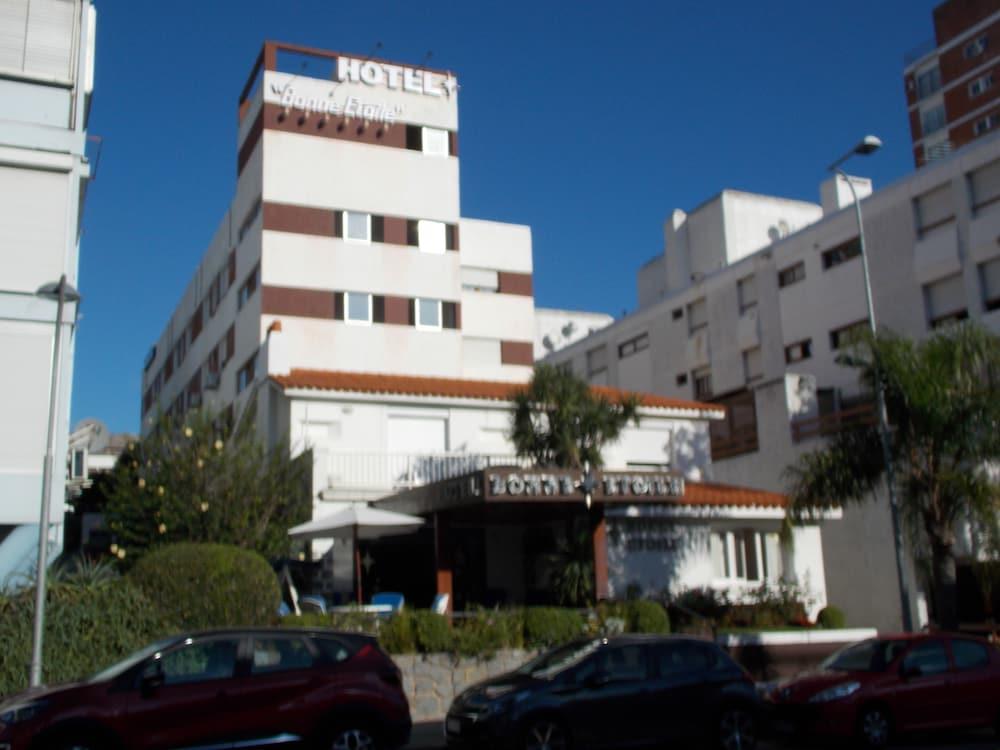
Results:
737 729
545 734
874 727
351 738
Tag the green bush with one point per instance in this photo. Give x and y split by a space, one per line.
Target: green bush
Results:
305 620
645 616
209 585
549 626
87 628
433 632
831 617
488 631
398 635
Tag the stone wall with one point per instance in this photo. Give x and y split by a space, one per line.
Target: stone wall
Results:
432 681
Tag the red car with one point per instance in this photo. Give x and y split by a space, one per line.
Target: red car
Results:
223 689
893 684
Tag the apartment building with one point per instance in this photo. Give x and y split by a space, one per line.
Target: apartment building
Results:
369 322
952 81
46 83
760 331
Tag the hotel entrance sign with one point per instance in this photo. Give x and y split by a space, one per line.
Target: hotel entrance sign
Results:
525 485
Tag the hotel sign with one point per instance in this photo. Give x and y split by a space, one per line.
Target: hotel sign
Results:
395 77
562 485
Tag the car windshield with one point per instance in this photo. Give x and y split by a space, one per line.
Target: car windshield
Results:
130 661
867 656
552 662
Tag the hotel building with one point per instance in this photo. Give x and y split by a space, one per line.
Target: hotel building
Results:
46 82
372 324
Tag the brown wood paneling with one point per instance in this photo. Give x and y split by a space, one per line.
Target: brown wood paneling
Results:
283 217
250 143
514 283
397 311
516 353
395 230
302 303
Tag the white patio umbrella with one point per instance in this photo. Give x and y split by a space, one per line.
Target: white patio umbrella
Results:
357 522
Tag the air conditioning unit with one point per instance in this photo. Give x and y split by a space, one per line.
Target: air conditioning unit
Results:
212 381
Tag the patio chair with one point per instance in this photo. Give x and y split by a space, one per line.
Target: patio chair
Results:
393 598
316 604
440 604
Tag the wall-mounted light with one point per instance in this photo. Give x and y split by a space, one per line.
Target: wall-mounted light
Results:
283 114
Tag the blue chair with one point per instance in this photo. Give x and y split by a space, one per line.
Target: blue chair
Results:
284 610
312 604
440 604
393 598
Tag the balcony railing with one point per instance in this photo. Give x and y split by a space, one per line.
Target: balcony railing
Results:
395 471
833 422
735 443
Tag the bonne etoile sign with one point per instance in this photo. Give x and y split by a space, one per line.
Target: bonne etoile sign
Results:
527 485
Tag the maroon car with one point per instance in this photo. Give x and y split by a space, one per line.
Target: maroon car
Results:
895 683
246 688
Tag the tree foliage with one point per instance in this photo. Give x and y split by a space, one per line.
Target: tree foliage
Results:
572 567
942 397
560 421
194 479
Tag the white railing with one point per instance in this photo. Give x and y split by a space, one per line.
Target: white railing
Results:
392 471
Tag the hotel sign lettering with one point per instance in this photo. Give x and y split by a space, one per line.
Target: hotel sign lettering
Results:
395 77
564 486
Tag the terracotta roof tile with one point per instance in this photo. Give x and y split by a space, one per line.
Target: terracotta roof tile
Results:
366 382
710 493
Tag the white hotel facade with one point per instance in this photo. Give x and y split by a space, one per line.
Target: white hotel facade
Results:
374 325
46 82
751 301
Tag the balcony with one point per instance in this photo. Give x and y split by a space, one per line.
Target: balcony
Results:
832 422
382 473
734 442
737 433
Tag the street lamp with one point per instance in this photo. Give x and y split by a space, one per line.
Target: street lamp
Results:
60 292
868 145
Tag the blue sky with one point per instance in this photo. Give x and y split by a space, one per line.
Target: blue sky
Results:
588 121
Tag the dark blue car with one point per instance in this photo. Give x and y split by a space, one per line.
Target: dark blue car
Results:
626 691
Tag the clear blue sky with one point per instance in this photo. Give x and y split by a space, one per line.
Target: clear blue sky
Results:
589 121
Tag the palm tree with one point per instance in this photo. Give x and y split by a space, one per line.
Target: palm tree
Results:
560 421
572 566
942 397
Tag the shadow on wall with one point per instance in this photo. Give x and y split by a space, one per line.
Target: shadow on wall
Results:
692 453
647 556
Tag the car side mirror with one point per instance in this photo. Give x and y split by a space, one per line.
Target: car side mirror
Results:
908 671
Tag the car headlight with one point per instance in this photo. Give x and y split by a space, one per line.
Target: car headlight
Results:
836 693
19 712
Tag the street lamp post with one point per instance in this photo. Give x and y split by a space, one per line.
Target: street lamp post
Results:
61 292
869 144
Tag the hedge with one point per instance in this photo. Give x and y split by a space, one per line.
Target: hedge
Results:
831 617
202 586
87 628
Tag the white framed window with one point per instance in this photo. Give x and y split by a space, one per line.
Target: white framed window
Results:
981 84
753 365
432 236
746 289
428 314
357 227
933 119
746 555
358 308
976 47
928 82
986 124
480 279
434 141
702 382
697 315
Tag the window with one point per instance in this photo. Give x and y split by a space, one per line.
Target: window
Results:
251 217
933 119
798 351
986 124
746 290
984 185
841 253
358 307
247 373
633 345
746 555
197 662
78 470
358 227
428 314
846 335
333 649
945 301
622 663
926 658
736 434
989 280
280 655
197 321
248 288
597 361
934 208
753 365
682 379
969 654
434 141
792 274
431 236
697 315
979 85
480 280
928 82
702 382
677 313
684 657
450 315
180 351
976 47
229 346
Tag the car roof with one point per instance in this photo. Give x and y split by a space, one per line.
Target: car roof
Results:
630 638
242 632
